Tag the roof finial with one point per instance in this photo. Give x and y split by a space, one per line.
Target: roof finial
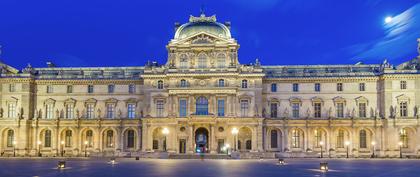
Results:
202 10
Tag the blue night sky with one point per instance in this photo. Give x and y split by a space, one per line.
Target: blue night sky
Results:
278 32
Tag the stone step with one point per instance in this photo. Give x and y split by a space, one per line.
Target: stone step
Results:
198 156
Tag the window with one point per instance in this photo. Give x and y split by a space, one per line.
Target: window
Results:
69 111
183 61
202 106
221 107
362 87
274 139
10 138
295 110
90 111
273 110
50 89
89 138
69 89
47 138
295 87
339 87
295 139
403 85
183 83
155 144
109 139
248 144
340 109
202 61
221 83
221 60
12 87
362 109
131 110
362 136
67 138
131 88
244 84
404 138
49 111
111 88
273 87
183 107
160 85
244 108
110 111
11 110
340 139
130 139
159 108
317 138
317 110
317 87
403 109
90 88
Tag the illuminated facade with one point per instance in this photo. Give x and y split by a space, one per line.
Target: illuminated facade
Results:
201 96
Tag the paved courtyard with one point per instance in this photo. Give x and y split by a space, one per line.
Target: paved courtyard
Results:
208 168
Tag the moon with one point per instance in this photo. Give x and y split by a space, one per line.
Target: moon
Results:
388 19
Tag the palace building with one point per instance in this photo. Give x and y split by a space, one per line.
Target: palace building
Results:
204 100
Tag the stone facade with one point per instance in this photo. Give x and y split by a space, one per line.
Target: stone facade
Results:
202 95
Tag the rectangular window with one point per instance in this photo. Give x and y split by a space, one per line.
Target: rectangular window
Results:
89 111
111 88
340 139
362 109
159 108
220 107
403 109
295 110
317 110
317 87
90 88
183 108
403 85
362 87
12 87
50 89
131 88
131 110
244 108
49 112
295 87
340 109
273 109
69 111
295 139
273 87
11 110
110 111
339 87
69 89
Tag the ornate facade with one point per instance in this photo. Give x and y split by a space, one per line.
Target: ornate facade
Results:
205 99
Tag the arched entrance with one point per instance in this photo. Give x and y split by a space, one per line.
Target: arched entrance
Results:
201 140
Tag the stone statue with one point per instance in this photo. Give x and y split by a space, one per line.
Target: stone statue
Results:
376 113
286 113
308 113
77 113
141 113
20 114
99 113
57 114
329 112
62 113
263 112
35 114
417 111
1 112
256 110
119 113
397 112
353 113
372 113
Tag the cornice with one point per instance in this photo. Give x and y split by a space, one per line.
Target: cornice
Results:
86 82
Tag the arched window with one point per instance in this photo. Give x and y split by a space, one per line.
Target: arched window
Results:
10 138
202 106
248 144
244 84
362 136
47 138
68 135
183 83
183 61
273 87
318 138
89 138
221 83
340 139
274 143
295 139
202 61
130 139
221 60
404 137
160 84
109 138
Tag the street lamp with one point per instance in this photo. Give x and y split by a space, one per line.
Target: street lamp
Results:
14 148
62 148
39 148
235 132
373 149
321 143
400 144
86 143
227 147
165 131
347 148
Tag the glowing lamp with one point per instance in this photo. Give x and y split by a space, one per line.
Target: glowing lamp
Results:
323 166
61 164
281 161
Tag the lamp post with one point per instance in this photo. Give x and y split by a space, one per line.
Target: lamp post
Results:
347 148
62 148
86 143
400 144
321 143
14 148
227 147
165 132
373 149
235 132
39 148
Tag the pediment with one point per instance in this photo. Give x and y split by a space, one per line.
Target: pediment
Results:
111 101
202 38
362 99
49 101
70 101
403 97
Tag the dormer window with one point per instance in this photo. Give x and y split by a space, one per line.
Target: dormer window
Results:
244 84
221 83
160 85
183 83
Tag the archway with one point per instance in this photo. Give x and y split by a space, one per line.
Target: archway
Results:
244 139
201 140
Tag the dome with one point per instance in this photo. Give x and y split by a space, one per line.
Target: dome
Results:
202 24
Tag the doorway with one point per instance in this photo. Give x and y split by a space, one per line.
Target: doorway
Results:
201 140
182 146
